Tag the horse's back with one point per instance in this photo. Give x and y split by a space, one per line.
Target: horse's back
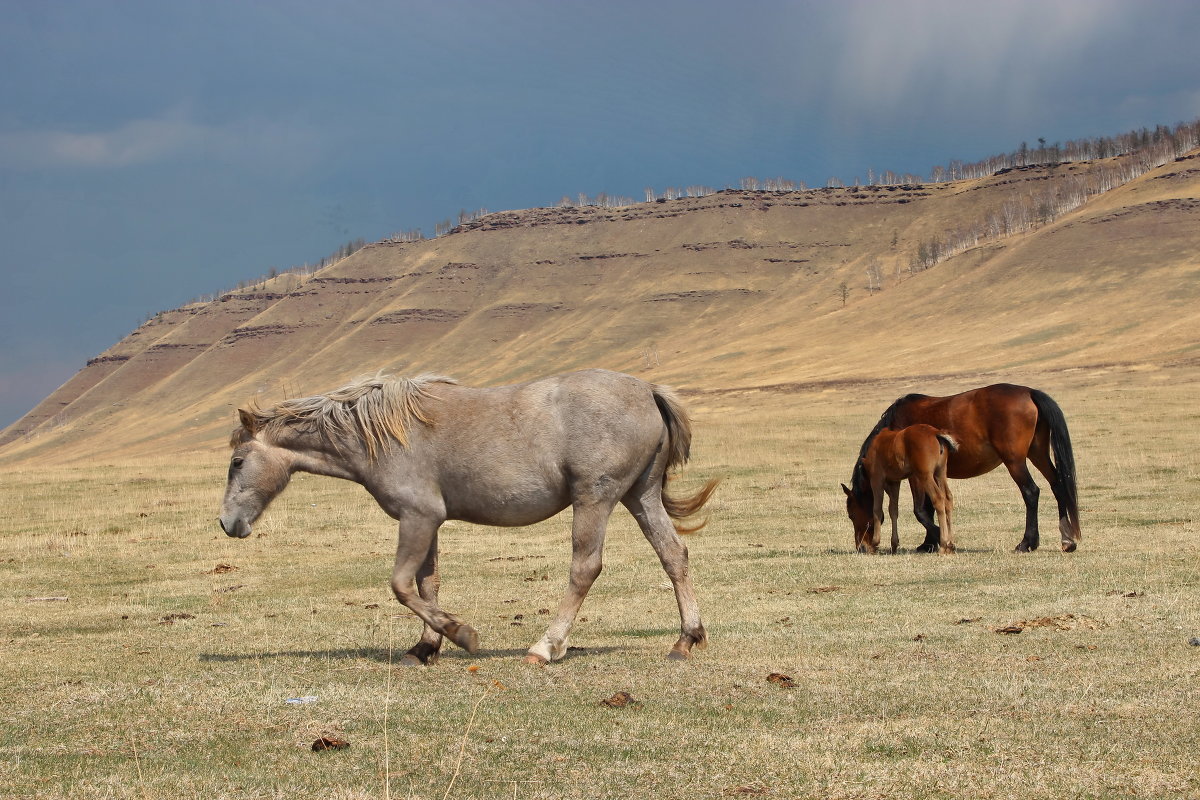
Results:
992 424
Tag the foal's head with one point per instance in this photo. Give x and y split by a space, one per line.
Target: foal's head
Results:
859 508
258 471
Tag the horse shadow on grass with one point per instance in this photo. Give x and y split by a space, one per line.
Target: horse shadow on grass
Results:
382 656
913 551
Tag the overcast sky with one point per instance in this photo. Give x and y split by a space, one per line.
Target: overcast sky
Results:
152 152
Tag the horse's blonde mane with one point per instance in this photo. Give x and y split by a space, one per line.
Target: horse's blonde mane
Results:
372 410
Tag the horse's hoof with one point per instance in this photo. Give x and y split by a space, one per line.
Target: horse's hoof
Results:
1068 547
677 655
1023 547
535 660
464 636
409 660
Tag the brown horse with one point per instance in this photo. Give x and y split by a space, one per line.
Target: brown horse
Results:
994 425
917 453
429 450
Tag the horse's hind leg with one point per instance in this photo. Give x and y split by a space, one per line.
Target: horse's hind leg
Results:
1040 457
425 651
418 536
647 508
1019 471
924 512
587 547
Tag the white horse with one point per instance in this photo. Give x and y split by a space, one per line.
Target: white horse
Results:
429 450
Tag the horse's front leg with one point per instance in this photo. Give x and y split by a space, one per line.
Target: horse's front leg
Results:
876 530
587 546
418 537
426 650
893 493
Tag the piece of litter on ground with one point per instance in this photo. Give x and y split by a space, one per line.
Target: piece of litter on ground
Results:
297 701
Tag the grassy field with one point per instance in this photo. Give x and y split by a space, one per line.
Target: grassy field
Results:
146 655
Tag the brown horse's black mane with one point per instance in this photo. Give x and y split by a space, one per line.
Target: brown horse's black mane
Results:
858 480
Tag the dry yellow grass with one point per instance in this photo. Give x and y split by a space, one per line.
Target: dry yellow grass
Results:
164 676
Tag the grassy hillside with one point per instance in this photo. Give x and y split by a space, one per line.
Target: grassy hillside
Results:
735 289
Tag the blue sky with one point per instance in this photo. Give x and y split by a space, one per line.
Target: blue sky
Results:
152 152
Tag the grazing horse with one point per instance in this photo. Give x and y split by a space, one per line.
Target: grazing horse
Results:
993 425
918 453
429 450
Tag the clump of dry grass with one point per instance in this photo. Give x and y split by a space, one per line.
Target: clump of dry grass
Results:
165 673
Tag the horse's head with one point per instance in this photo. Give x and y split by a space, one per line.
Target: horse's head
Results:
258 471
860 512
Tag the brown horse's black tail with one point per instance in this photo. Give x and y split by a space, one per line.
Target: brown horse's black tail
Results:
1064 464
679 443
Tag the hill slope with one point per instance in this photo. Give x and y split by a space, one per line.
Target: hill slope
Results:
735 289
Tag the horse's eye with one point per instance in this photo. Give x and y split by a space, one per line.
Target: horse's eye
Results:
237 462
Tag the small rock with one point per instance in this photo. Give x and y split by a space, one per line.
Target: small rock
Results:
1194 641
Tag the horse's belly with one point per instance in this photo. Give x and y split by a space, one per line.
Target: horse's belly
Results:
508 517
525 506
971 465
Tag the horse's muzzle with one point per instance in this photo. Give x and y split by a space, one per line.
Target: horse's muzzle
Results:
237 527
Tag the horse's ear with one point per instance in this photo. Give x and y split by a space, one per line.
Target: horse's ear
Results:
249 421
846 489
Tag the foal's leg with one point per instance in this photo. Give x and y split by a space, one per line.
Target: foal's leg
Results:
417 538
939 491
587 545
871 540
1019 471
425 651
652 518
893 493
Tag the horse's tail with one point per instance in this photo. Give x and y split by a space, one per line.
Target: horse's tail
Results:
680 508
948 440
679 447
1064 464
